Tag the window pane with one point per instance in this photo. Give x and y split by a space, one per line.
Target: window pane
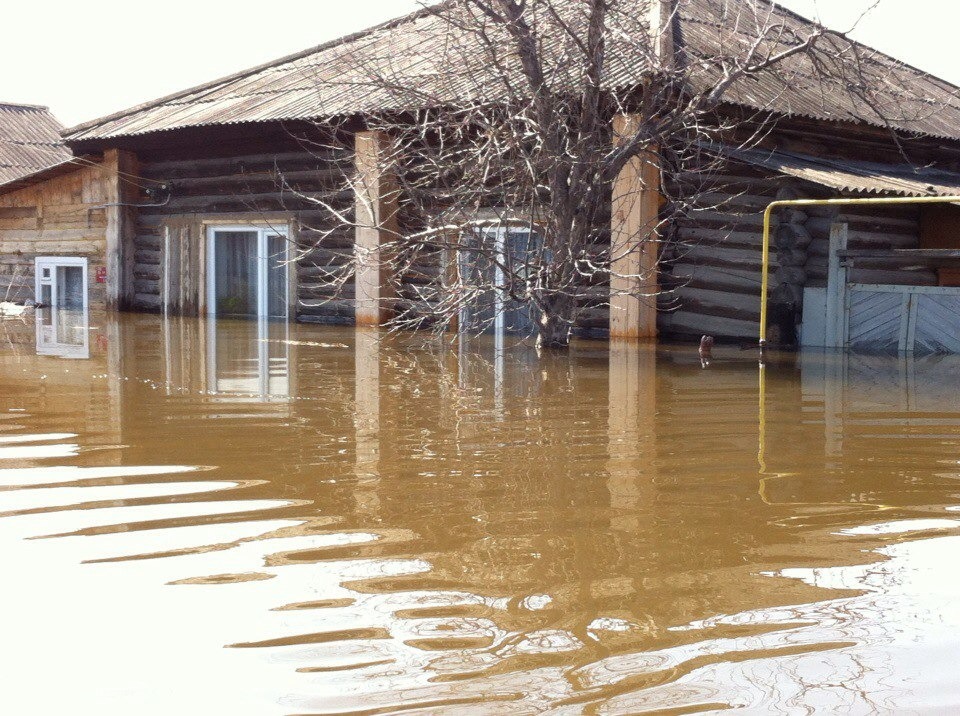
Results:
70 288
236 273
517 253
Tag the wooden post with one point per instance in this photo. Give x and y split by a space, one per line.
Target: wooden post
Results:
377 196
634 282
120 166
836 288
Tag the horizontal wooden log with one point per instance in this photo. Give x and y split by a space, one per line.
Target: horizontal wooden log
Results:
147 271
150 301
327 320
147 256
176 169
692 324
269 176
149 242
146 286
318 307
746 302
727 278
323 291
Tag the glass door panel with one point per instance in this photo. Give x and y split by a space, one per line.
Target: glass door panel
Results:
276 278
235 271
70 288
247 273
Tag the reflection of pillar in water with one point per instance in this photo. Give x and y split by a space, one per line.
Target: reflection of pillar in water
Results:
110 341
367 419
499 365
821 387
833 402
632 404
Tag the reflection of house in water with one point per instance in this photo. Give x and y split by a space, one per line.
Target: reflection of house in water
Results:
84 392
872 402
229 360
248 359
63 333
605 503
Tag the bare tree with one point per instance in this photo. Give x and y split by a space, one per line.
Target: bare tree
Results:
504 159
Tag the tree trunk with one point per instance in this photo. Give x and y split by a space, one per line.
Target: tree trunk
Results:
555 324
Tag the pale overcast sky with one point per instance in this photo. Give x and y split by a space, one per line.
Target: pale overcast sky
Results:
85 60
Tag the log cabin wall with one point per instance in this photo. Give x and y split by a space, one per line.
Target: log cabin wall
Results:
417 289
712 256
711 259
62 215
713 262
268 176
870 227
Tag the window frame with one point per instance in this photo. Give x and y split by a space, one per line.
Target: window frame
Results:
53 263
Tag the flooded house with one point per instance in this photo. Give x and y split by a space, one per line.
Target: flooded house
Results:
210 201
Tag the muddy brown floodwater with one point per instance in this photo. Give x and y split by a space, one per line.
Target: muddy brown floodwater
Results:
233 518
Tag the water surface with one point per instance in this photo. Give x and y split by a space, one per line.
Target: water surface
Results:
237 518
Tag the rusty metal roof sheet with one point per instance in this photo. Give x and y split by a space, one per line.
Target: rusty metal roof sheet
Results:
427 64
853 177
29 141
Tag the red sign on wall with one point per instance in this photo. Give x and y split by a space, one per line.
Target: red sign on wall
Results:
101 274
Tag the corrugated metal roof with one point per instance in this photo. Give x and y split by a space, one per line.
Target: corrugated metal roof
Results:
850 176
428 65
29 141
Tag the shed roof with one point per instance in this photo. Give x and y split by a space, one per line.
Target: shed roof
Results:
29 141
429 65
856 177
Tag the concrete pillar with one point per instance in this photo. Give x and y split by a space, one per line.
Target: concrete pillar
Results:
120 169
634 282
377 195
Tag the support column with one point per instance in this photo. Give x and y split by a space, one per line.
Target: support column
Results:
634 283
377 195
120 166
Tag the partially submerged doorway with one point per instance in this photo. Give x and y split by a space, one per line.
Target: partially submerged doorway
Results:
247 270
495 266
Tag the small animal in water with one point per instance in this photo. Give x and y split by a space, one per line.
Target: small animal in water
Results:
706 348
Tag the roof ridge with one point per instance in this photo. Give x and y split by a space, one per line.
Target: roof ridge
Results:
21 105
926 74
330 44
234 87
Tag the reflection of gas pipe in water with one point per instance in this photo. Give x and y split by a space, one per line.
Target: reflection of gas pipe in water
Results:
766 477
